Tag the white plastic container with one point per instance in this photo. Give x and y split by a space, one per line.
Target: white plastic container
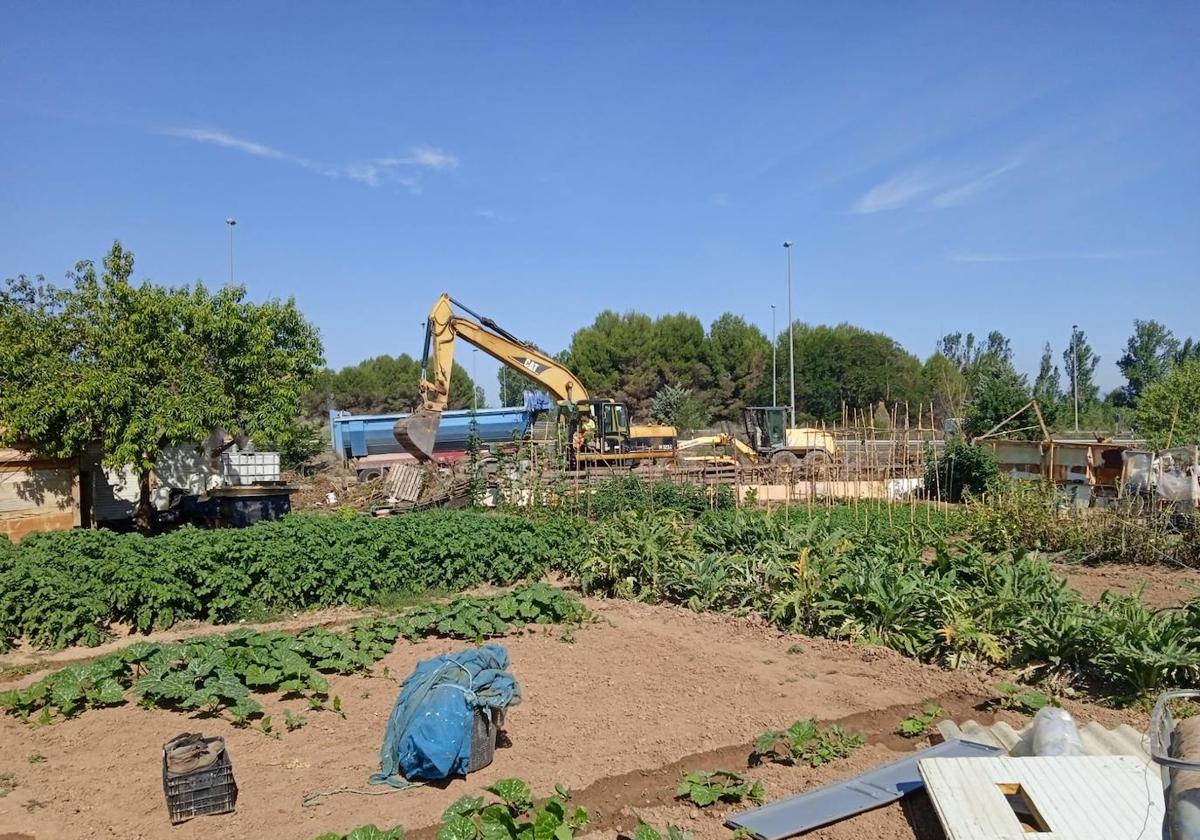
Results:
1055 733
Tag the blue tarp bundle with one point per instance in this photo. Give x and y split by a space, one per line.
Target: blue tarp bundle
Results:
429 732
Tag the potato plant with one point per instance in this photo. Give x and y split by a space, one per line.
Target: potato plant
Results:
215 673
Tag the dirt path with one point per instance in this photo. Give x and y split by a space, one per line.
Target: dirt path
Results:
1164 586
615 715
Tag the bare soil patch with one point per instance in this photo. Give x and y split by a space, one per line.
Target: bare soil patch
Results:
641 695
1164 586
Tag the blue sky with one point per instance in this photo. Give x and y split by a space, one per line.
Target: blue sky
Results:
969 166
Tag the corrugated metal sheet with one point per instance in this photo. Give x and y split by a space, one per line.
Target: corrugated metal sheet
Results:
1097 740
845 798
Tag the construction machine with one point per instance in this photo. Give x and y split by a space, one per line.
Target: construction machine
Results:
718 441
596 431
772 440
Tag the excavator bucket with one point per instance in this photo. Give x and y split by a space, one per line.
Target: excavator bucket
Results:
417 433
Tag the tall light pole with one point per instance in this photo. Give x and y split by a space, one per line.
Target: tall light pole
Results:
774 375
787 246
1075 370
231 222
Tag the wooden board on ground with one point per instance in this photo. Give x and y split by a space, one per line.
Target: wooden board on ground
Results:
1056 798
405 482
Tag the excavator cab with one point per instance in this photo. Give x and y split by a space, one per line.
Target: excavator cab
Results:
766 427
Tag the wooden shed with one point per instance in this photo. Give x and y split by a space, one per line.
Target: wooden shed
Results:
37 494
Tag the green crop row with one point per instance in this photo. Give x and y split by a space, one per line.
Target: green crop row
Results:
212 673
953 605
58 589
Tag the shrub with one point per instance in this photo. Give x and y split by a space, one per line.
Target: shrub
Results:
960 470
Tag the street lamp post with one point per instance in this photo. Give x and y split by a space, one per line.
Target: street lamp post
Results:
791 336
1075 370
231 222
774 349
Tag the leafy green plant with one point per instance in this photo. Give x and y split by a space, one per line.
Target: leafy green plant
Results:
804 742
8 783
37 758
919 723
63 588
645 831
365 832
513 817
293 721
215 673
1021 699
703 788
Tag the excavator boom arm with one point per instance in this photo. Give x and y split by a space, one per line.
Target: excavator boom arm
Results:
417 432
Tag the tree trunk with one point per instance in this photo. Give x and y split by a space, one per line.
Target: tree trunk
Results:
143 515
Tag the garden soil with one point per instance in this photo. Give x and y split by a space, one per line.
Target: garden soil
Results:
616 710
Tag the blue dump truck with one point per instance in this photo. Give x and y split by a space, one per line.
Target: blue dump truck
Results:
366 441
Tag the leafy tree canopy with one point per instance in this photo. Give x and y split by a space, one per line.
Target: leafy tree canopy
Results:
1149 355
1168 412
380 385
140 366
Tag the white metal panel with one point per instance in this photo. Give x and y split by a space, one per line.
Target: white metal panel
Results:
1079 797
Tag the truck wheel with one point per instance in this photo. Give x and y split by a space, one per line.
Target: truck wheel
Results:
785 460
369 474
816 459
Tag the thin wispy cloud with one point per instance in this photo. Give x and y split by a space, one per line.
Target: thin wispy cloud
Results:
898 191
965 192
973 257
927 186
487 213
398 170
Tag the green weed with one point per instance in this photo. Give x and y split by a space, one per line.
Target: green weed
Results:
804 742
703 788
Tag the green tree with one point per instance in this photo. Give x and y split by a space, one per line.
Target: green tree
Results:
380 385
677 406
1047 388
139 367
1189 350
1149 356
679 351
617 357
1089 391
847 364
739 358
513 385
1168 412
999 392
944 386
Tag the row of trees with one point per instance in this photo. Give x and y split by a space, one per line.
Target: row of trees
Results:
382 385
632 357
672 366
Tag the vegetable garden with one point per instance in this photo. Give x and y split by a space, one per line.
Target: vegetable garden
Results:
934 585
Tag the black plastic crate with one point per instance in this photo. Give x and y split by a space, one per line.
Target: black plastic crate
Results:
208 791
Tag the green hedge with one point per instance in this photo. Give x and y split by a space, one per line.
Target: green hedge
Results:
61 588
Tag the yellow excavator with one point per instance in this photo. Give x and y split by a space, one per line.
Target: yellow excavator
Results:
598 431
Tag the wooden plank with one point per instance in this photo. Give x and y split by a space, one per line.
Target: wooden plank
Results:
1078 797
